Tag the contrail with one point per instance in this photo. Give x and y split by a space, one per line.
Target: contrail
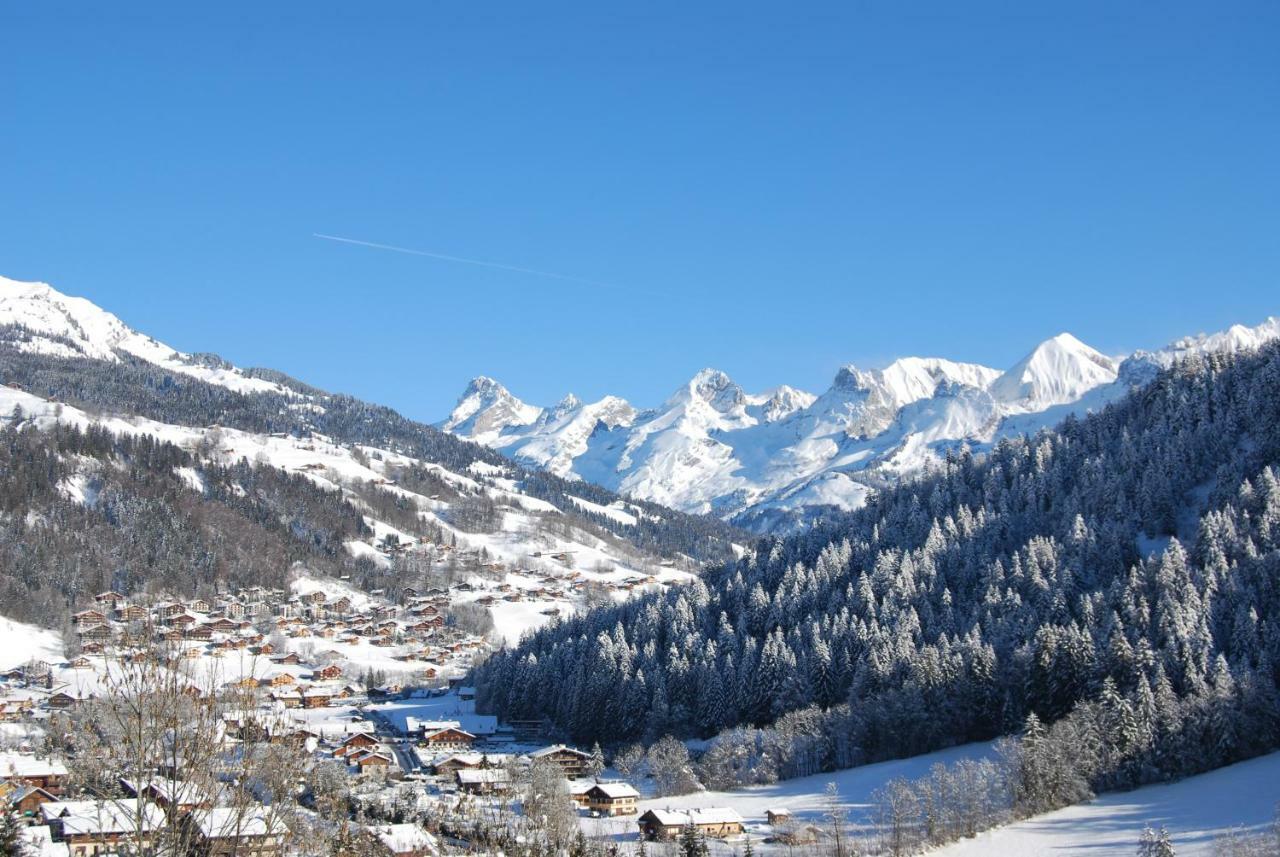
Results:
445 258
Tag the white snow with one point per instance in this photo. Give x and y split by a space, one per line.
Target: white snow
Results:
804 797
98 334
711 447
615 511
21 643
1196 811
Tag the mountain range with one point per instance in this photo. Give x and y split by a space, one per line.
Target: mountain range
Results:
774 460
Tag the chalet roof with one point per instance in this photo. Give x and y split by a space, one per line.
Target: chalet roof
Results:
225 822
558 748
680 818
614 791
27 765
90 817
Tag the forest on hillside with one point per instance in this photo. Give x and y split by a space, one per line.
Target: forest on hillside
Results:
1118 577
132 386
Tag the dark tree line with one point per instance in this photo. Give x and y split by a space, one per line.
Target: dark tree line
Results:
1122 570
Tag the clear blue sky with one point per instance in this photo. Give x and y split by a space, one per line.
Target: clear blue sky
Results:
773 190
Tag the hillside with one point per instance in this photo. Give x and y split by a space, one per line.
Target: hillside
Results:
146 468
1114 577
777 460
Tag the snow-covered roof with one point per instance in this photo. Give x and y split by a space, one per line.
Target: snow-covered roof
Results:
223 822
556 748
708 815
615 791
109 816
405 838
27 765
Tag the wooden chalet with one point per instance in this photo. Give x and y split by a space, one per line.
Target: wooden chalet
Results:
572 761
612 799
664 824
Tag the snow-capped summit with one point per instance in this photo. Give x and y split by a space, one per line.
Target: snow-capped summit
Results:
485 408
779 403
716 389
1057 371
63 326
759 458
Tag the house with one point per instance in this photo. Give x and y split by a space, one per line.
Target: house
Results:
777 815
447 738
91 827
330 672
89 617
181 795
716 822
25 800
111 599
356 742
369 761
62 700
132 613
612 799
406 840
227 831
572 761
481 781
316 697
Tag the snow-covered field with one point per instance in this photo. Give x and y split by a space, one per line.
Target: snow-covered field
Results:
21 643
804 797
1196 811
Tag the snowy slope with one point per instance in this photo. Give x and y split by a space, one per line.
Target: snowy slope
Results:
1058 370
1196 811
21 643
66 326
767 460
529 531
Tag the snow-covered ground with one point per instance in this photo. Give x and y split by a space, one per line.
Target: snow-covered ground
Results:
804 797
21 644
1196 811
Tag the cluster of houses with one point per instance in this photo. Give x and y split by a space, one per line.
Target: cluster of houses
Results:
249 618
33 788
472 756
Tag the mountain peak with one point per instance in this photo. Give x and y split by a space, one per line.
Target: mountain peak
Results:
1060 369
483 385
485 408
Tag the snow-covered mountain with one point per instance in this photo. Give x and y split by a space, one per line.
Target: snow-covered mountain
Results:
769 460
66 362
64 326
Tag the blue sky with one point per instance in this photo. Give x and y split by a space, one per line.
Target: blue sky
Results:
774 190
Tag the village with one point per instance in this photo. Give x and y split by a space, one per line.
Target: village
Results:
371 685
